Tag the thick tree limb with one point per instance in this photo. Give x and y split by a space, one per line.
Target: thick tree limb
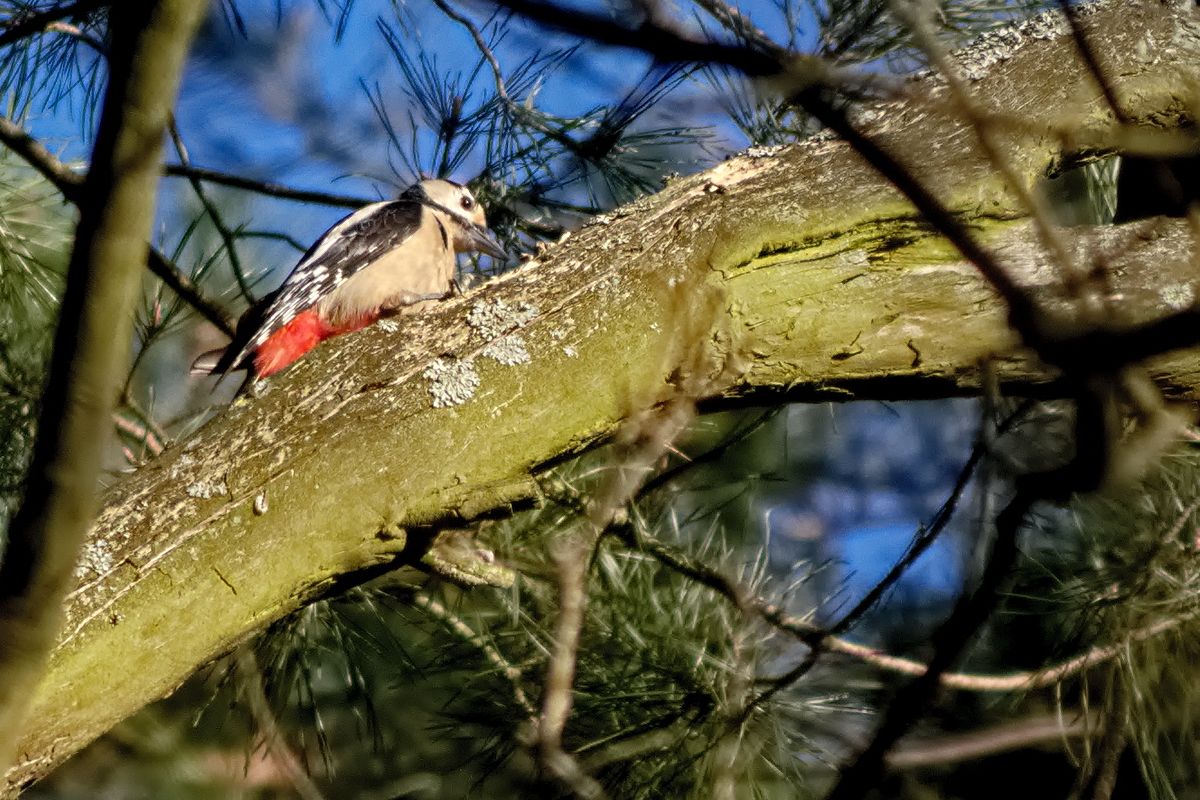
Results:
832 288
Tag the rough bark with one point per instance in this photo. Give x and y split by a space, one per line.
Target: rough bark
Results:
829 285
91 350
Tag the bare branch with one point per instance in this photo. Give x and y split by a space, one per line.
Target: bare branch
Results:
250 683
21 26
68 182
1006 736
267 188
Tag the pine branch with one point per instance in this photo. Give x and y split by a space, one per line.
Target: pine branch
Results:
21 26
68 182
70 185
215 216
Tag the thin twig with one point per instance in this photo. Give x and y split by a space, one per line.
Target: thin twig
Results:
481 44
77 33
266 187
1001 738
808 632
910 702
670 474
251 684
526 115
210 208
939 522
21 26
645 439
651 435
737 23
455 624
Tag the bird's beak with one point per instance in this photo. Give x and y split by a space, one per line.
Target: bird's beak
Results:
484 241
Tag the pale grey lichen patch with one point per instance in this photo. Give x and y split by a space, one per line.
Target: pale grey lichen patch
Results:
509 350
1001 44
763 151
206 489
494 318
389 325
183 462
97 557
1178 297
452 382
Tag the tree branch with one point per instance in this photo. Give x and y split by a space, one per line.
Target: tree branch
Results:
266 187
68 182
20 26
70 185
1049 729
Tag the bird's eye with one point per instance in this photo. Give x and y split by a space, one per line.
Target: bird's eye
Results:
468 203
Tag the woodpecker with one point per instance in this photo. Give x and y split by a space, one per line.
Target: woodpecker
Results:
383 259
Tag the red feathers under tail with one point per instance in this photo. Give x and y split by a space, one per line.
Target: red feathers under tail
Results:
302 333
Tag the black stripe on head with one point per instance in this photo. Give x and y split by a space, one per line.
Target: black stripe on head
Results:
414 192
417 191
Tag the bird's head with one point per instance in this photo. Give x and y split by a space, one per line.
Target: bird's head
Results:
456 201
